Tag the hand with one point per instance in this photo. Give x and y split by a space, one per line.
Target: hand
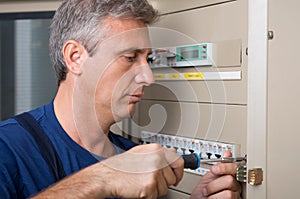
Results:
219 182
145 171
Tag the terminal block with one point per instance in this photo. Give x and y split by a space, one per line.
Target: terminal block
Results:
184 146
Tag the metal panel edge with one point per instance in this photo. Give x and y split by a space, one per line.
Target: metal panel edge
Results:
257 93
166 7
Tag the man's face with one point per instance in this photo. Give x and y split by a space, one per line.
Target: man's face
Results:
121 61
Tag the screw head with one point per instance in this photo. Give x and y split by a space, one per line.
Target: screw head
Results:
270 35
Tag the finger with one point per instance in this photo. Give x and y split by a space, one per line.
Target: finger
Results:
226 194
162 187
178 167
152 195
176 163
227 154
226 182
200 190
169 176
150 185
224 169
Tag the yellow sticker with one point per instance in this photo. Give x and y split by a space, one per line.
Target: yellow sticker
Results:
159 76
174 76
193 75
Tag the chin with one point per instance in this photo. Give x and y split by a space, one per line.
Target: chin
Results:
123 114
131 110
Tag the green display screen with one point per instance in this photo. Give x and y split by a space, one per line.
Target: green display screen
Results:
191 53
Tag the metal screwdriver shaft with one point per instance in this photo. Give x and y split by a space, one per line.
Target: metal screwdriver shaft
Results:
192 161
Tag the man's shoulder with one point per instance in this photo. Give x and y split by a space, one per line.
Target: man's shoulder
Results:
21 164
7 123
12 132
10 128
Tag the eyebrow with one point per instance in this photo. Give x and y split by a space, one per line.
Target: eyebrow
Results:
135 50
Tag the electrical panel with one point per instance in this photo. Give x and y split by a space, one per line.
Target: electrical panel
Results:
199 63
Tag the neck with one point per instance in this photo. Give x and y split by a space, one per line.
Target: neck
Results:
79 122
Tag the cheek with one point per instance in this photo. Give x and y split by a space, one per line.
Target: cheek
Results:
103 93
125 81
115 84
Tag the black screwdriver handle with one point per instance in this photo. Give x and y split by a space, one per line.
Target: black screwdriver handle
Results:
191 161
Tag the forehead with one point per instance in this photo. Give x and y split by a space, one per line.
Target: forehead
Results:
116 26
125 33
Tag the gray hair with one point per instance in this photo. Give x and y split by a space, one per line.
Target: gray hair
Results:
80 20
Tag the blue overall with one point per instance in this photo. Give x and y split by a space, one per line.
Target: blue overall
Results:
23 170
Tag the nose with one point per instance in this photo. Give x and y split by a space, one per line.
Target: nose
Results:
144 75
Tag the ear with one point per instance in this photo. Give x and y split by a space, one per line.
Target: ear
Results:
74 54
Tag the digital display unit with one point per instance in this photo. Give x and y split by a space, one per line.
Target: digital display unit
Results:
191 53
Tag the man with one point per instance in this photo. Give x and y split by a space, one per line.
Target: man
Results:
99 50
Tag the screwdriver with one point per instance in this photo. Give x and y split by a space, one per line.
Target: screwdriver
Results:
192 161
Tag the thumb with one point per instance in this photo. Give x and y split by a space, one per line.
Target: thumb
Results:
224 168
227 154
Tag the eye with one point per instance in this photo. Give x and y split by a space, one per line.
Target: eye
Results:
130 57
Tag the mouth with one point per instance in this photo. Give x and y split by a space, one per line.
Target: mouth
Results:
134 98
